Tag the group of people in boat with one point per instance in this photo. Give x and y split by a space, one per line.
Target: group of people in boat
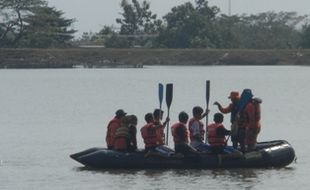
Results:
188 134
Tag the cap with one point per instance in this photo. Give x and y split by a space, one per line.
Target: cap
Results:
233 94
120 112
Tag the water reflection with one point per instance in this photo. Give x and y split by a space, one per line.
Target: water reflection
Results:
191 178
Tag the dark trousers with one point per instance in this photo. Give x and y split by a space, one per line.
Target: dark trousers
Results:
217 149
185 149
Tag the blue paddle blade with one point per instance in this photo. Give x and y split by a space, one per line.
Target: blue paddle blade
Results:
160 93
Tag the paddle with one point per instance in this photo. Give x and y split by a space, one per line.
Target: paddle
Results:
207 102
160 94
169 95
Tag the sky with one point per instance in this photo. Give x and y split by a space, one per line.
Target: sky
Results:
92 15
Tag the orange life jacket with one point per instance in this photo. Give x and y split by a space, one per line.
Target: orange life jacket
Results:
191 132
257 111
176 138
149 135
160 132
121 139
253 115
113 125
213 138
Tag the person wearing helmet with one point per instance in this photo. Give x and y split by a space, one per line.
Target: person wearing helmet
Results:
180 136
217 133
252 123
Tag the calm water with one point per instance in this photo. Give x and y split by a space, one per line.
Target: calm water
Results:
46 115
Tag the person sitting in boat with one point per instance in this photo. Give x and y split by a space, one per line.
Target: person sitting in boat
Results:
113 125
125 135
252 115
196 127
217 133
232 108
133 133
180 136
157 115
148 132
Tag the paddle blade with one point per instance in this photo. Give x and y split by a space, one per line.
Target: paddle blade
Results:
207 91
169 94
160 93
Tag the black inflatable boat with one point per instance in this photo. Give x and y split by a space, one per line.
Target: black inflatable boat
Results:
267 154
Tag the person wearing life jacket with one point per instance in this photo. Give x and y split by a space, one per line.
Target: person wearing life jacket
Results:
125 135
157 115
180 136
113 125
252 124
232 108
148 132
217 133
196 127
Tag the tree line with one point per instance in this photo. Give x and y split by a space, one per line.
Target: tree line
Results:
33 23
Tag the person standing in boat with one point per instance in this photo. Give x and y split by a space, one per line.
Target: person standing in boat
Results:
180 136
217 133
113 125
237 135
196 127
125 136
160 127
148 132
252 115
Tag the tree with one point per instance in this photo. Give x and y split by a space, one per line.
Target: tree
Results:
189 26
137 22
12 14
305 36
47 27
138 19
227 28
269 30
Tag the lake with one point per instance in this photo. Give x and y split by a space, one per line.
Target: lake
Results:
46 115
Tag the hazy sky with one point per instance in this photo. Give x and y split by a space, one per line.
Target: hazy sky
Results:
92 15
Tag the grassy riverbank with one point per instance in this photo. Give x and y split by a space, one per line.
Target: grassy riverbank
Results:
102 57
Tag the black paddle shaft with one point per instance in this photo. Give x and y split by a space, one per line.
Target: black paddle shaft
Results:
207 102
169 95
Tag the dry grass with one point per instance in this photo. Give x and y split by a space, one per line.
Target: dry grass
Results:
97 57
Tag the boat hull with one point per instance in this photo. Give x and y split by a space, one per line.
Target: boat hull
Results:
268 154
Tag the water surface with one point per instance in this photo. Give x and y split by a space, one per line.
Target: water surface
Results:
48 114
